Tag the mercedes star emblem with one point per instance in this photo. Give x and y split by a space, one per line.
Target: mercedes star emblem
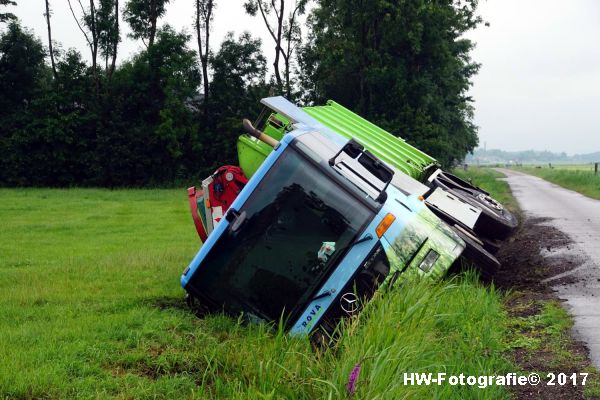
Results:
349 303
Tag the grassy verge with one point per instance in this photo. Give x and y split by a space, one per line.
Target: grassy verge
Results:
575 178
91 308
538 336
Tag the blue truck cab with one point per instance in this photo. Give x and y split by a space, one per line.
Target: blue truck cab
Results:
318 228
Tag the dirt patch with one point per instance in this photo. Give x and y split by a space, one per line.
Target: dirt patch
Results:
167 303
528 258
523 266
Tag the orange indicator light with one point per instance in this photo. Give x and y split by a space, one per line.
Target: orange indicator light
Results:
385 223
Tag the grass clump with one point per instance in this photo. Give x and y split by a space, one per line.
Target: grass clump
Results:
91 307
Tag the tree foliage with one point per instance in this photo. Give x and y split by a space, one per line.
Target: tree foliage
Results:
6 16
142 128
142 16
404 65
204 17
239 70
284 29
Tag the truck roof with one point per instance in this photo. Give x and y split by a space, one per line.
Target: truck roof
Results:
393 150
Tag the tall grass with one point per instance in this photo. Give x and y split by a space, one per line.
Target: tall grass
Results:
90 307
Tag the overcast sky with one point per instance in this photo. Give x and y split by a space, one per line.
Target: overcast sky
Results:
538 87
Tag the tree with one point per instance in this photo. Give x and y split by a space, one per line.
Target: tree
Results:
21 70
404 65
150 119
99 25
89 22
107 26
204 17
142 17
285 32
21 67
239 70
4 17
50 50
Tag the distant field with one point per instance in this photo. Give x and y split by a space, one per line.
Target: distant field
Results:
91 308
580 178
566 167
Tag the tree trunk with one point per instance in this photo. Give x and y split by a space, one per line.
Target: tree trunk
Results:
54 73
203 48
278 43
204 59
288 87
116 43
153 18
94 44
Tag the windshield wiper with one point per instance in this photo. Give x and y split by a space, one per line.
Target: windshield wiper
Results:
324 294
365 238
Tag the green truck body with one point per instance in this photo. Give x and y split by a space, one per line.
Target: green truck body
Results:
387 147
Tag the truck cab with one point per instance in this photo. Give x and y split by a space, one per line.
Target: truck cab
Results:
317 229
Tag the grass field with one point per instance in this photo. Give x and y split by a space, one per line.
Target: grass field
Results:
580 178
91 308
566 167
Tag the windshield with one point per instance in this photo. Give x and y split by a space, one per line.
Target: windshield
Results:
297 224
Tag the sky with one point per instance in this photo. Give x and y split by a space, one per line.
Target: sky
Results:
539 83
538 86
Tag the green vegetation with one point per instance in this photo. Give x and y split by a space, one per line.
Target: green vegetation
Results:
7 16
575 177
173 110
540 331
409 63
538 327
92 308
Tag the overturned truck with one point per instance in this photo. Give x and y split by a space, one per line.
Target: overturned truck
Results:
324 208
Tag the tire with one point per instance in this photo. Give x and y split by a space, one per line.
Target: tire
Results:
495 222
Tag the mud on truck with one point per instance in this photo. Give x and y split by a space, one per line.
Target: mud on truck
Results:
334 208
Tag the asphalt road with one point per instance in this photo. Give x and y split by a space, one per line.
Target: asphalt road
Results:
579 218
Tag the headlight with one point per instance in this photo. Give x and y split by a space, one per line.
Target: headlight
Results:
429 260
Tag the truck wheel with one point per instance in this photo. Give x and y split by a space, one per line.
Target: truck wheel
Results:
495 222
478 255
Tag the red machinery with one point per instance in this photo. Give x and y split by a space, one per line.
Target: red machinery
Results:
218 192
